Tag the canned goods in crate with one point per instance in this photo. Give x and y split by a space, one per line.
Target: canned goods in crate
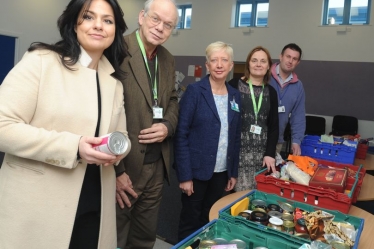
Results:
289 227
257 202
240 244
206 244
115 143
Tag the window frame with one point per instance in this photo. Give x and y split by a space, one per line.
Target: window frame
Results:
346 13
181 23
254 12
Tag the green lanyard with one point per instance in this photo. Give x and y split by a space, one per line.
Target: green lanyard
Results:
255 108
141 45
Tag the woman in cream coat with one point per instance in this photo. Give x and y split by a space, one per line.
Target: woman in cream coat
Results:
49 111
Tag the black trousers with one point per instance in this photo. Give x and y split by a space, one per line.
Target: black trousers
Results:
195 208
86 231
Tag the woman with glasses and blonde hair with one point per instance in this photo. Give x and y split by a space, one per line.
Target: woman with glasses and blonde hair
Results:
207 140
259 112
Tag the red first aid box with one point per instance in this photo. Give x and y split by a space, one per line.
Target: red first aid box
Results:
330 178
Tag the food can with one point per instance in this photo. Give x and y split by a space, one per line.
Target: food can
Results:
260 210
287 207
300 226
240 244
245 215
288 226
260 217
287 216
275 223
275 214
115 143
206 244
220 241
273 207
257 202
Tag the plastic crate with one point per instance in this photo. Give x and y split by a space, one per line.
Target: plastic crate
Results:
311 146
225 214
324 198
362 149
252 236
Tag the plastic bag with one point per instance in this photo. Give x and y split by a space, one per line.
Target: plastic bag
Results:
297 174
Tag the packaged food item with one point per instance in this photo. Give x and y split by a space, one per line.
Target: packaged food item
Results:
330 178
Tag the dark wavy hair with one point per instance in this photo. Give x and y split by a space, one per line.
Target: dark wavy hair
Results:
69 49
247 71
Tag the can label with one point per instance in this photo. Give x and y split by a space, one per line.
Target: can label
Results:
115 143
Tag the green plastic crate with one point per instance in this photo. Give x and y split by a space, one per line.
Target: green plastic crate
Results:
225 214
253 237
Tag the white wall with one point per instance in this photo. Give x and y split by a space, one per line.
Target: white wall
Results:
296 21
289 21
31 21
131 9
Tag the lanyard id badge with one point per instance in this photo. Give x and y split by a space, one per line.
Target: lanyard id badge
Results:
157 112
281 109
255 129
234 105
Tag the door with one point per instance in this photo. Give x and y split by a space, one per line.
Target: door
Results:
7 54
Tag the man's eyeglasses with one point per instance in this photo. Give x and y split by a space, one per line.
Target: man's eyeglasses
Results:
156 20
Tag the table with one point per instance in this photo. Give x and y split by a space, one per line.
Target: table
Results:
367 187
366 193
368 163
366 239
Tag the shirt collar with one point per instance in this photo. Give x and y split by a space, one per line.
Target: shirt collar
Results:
153 55
84 58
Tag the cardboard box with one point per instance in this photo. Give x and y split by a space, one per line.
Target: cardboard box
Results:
330 178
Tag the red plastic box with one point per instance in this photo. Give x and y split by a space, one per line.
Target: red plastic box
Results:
362 149
325 198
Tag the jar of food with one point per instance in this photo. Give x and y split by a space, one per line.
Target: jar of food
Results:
289 226
275 223
259 209
275 214
300 226
260 217
257 202
273 207
245 215
240 244
287 216
206 244
220 241
286 207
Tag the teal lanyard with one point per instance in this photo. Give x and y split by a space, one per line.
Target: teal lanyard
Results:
255 108
141 45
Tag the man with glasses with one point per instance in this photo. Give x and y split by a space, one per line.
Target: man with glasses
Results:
152 112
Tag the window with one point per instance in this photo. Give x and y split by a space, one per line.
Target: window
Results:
252 13
346 12
184 12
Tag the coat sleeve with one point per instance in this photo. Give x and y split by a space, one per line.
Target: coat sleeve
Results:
18 103
273 124
172 109
188 107
297 120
